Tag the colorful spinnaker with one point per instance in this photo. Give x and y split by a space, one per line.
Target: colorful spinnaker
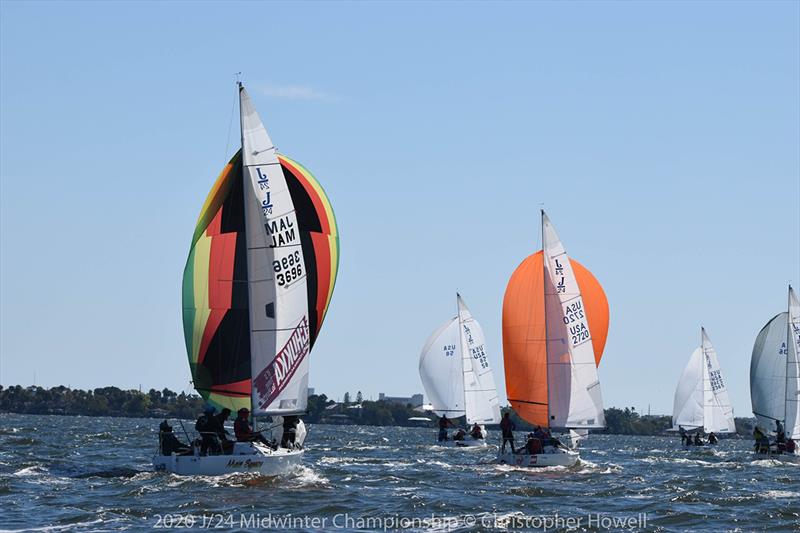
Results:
775 371
555 323
455 370
701 398
259 278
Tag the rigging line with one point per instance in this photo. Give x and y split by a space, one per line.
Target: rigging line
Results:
230 121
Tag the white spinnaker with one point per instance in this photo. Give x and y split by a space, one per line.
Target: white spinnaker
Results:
768 372
441 371
718 412
279 329
793 368
480 392
574 395
687 409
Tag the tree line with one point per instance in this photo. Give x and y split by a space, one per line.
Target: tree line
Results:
115 402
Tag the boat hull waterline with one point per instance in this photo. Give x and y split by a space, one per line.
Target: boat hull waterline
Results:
255 459
468 442
559 457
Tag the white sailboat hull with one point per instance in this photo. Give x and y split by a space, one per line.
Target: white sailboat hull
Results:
552 457
247 457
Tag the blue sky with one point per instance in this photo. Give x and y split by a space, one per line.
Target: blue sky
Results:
662 138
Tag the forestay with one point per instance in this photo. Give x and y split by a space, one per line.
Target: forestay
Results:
574 395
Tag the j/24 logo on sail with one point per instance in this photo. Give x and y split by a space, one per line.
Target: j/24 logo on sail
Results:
263 184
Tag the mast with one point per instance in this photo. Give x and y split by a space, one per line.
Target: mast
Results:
544 291
707 393
239 89
461 349
789 341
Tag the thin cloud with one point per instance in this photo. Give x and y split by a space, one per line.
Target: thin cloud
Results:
295 92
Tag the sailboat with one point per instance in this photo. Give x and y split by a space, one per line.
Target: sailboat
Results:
775 379
256 287
701 399
555 323
456 375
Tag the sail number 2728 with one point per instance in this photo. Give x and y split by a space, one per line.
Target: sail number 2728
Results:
287 269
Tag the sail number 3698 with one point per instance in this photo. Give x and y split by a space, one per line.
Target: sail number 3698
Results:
288 268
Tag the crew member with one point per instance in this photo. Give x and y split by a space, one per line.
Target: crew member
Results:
507 426
476 432
289 431
169 443
444 423
243 431
205 426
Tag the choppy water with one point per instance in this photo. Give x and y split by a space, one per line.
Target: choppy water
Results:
88 474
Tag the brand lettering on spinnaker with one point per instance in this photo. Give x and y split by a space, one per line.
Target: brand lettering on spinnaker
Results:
273 379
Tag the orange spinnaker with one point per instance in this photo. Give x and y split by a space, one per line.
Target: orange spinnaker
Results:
524 350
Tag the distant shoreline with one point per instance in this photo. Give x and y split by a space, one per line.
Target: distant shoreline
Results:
166 404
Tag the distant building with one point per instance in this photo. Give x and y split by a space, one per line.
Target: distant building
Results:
415 400
311 391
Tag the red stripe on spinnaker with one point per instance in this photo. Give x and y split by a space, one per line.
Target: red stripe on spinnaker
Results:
236 389
319 205
220 284
322 250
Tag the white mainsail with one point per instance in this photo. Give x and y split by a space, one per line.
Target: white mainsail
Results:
279 327
441 370
768 372
574 395
480 392
687 410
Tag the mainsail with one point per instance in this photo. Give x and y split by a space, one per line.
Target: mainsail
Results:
441 371
259 278
701 399
555 324
775 369
455 370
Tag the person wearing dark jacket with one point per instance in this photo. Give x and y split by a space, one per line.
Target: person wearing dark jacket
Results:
476 432
289 431
206 426
243 431
216 424
712 439
169 443
507 426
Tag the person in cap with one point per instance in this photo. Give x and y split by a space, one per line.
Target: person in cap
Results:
243 430
205 425
169 443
